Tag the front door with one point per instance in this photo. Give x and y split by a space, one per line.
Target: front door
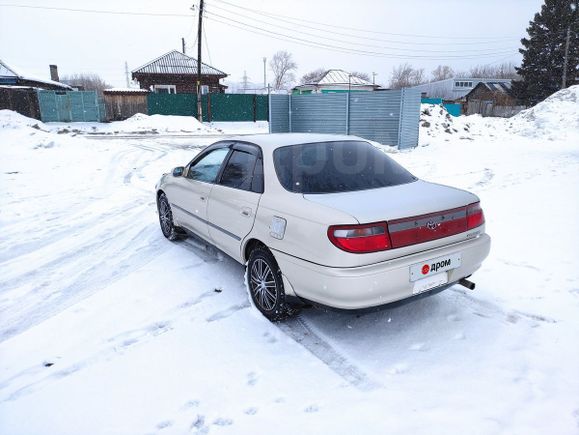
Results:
234 199
191 192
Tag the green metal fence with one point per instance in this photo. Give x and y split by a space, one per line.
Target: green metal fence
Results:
73 106
215 107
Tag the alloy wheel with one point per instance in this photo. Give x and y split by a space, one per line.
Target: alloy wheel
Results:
263 285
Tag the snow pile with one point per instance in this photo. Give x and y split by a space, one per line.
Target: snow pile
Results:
14 120
138 124
555 117
28 132
437 125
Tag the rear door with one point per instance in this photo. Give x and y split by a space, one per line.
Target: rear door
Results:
189 194
235 197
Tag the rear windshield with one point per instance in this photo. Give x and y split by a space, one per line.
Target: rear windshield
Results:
343 166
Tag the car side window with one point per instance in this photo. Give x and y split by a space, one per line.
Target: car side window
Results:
239 170
207 168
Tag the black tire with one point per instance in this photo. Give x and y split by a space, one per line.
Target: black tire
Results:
166 218
265 284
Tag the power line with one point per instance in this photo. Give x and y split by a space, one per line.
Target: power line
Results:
488 50
96 11
206 44
271 14
281 36
363 37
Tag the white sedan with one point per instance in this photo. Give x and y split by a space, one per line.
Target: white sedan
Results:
324 219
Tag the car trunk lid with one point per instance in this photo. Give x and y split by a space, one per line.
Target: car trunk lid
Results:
416 212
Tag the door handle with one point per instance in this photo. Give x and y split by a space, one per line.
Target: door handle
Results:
203 198
246 212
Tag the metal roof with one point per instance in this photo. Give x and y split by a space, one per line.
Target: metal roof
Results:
341 77
504 87
125 91
338 77
176 62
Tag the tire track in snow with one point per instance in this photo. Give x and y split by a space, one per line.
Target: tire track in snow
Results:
298 330
62 262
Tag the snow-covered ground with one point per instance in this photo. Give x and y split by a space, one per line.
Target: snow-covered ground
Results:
138 125
108 328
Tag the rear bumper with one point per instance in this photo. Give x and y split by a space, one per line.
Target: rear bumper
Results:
376 284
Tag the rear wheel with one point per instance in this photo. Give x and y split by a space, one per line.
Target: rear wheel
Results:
265 284
166 218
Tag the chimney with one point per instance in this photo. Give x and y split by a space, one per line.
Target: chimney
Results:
54 73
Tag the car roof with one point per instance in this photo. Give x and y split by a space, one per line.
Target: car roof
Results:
276 140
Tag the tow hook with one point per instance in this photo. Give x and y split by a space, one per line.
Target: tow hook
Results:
466 283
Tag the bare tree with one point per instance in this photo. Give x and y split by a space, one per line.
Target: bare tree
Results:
88 82
282 65
501 71
417 77
360 75
442 72
404 76
313 76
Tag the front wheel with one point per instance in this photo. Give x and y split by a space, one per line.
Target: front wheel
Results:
166 218
265 285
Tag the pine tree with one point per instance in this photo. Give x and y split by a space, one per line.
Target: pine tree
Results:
544 50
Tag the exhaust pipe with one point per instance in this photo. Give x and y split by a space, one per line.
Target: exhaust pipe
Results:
466 283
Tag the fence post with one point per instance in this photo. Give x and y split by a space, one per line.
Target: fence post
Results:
348 113
290 113
209 112
269 112
399 139
254 108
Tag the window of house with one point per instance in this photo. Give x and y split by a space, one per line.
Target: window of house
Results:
165 89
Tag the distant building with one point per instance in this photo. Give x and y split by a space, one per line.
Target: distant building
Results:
492 98
335 81
176 73
9 77
454 89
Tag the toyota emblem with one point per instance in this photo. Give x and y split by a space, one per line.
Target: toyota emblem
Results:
431 225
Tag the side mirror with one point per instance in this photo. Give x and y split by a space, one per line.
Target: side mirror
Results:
178 171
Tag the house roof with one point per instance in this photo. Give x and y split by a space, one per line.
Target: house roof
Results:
176 62
125 91
502 87
340 77
6 71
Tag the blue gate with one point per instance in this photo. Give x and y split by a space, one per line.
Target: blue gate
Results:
71 106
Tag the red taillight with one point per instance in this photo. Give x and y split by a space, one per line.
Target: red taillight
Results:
360 238
474 216
408 231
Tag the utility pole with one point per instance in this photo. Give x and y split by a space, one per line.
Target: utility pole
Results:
199 40
566 61
127 73
264 73
183 45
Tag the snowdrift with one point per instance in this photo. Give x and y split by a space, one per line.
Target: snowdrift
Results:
557 117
